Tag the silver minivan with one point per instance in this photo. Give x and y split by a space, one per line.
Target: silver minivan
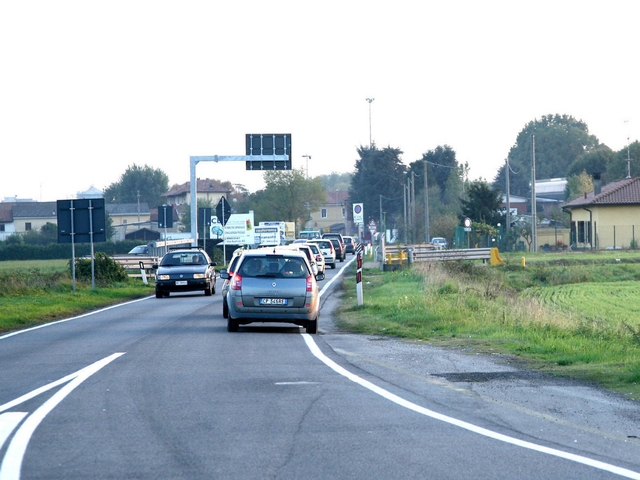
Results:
273 286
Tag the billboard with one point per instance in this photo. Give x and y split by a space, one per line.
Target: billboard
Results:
239 229
267 236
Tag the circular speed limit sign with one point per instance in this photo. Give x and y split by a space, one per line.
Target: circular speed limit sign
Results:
467 222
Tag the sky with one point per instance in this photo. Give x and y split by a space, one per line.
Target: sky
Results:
89 88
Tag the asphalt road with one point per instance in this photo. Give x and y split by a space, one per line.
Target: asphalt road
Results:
158 388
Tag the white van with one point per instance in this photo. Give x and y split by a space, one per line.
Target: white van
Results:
310 234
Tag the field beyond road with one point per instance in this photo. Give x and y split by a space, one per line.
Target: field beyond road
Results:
33 292
571 314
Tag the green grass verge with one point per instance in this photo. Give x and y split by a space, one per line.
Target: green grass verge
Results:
575 320
33 293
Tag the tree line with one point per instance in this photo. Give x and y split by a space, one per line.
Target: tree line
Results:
425 198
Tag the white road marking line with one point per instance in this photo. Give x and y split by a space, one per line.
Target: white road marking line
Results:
333 279
315 350
12 462
292 383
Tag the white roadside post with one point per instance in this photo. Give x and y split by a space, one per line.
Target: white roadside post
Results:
143 273
359 275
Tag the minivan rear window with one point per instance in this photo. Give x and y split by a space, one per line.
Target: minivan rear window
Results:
274 266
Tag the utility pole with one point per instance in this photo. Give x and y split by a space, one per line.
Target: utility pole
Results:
426 205
308 157
404 192
508 215
534 223
628 153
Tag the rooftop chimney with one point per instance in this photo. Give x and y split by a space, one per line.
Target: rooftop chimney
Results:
597 184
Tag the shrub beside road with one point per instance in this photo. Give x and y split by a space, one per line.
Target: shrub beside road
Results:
573 314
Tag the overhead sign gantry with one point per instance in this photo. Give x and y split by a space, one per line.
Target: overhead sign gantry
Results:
263 152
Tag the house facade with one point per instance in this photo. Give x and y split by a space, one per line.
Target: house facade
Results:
128 217
206 189
332 216
28 216
608 217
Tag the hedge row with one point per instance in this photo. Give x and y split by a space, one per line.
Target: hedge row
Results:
62 250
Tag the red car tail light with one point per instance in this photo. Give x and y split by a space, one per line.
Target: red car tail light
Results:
310 283
236 282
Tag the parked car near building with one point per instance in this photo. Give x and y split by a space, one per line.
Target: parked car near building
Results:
439 242
140 250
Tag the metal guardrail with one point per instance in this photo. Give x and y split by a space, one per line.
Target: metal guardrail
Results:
133 264
427 253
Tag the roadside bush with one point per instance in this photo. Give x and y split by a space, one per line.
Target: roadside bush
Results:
106 269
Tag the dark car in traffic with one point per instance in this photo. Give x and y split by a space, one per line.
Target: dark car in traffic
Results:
350 244
185 270
338 247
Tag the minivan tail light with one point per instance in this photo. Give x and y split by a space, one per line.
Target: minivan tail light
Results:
310 283
236 282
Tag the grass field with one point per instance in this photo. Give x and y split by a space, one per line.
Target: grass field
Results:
35 292
567 314
42 265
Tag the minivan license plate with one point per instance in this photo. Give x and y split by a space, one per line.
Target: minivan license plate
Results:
273 301
181 282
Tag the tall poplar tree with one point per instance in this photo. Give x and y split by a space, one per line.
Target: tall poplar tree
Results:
379 178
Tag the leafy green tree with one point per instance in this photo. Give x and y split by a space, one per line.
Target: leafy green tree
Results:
379 173
559 141
288 197
445 178
578 185
482 204
617 168
596 161
185 219
336 181
147 182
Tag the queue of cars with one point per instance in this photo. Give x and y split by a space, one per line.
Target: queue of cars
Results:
269 284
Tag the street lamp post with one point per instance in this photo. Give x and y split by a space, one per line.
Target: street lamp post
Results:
308 157
370 137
